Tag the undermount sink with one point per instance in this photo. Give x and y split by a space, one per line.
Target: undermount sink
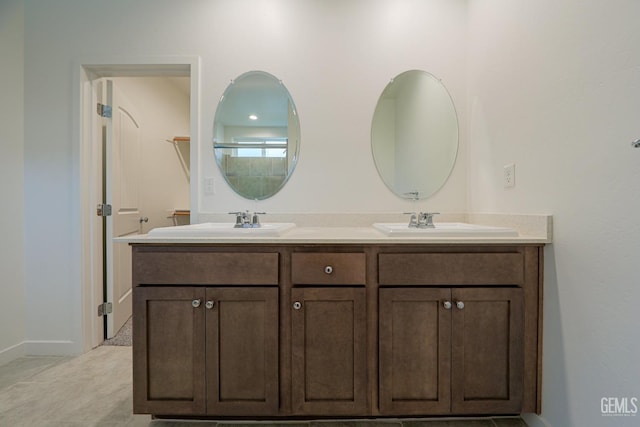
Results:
445 229
222 229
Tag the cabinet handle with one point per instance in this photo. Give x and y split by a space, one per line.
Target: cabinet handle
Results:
328 269
297 305
209 304
460 305
447 305
196 303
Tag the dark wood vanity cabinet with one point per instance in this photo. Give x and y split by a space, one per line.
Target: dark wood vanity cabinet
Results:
206 350
446 350
329 351
336 330
169 351
414 351
329 333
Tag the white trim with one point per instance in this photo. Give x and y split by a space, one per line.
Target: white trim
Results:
11 353
50 348
535 420
194 144
86 70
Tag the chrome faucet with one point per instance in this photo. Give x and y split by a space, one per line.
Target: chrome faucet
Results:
425 219
413 219
246 219
421 220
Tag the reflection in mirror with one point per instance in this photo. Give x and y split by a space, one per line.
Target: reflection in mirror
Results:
256 135
414 135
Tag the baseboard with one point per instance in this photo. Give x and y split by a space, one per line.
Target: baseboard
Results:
11 353
535 420
51 348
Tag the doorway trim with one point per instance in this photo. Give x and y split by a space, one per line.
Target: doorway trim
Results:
89 239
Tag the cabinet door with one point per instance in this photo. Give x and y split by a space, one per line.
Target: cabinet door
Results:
329 362
487 350
242 351
168 350
414 351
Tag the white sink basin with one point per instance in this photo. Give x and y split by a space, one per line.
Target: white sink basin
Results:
445 229
222 229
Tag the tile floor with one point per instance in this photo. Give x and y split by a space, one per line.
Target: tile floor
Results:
94 390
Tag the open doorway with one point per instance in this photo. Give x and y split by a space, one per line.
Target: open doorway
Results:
160 106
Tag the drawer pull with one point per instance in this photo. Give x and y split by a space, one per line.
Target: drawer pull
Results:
209 304
196 303
297 305
460 305
328 269
447 305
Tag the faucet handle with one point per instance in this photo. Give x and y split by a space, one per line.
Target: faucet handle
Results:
413 220
239 218
255 219
426 219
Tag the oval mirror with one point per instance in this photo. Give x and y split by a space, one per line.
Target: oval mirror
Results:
256 135
414 135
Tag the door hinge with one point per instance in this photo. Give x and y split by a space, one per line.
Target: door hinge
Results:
104 110
103 209
104 309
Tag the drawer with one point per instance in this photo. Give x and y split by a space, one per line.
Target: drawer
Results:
205 268
451 269
328 268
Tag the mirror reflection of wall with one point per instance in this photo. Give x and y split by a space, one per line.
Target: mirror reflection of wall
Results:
256 135
414 135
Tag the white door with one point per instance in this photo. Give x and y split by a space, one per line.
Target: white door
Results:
122 189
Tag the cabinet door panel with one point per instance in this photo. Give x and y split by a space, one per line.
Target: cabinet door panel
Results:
487 356
242 351
414 343
329 359
168 368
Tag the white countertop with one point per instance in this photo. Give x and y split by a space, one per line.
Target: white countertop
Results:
357 229
335 235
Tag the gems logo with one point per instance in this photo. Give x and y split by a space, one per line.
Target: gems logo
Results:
619 406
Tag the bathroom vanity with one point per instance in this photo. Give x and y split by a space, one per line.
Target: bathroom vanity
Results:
350 324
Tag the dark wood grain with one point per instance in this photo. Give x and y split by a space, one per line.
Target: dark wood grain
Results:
487 351
328 347
415 351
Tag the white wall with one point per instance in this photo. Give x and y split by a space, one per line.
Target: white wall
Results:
334 57
163 112
554 86
11 180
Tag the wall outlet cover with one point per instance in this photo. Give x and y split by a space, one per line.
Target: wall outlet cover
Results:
509 176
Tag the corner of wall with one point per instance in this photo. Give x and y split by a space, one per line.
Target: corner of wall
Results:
12 254
535 420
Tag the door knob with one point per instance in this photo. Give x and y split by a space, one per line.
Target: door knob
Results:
297 305
447 305
143 219
328 269
195 303
460 305
209 304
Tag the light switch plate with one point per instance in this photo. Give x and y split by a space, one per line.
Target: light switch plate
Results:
209 186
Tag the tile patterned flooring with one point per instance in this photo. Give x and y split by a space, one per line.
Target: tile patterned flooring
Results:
94 390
